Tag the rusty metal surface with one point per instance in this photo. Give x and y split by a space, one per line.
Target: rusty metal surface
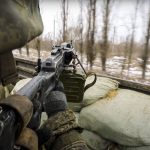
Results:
25 67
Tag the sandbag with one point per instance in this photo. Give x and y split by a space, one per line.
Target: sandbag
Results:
124 119
19 85
94 141
76 107
44 117
99 90
77 117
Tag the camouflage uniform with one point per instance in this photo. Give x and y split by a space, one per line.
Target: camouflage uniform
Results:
65 132
20 22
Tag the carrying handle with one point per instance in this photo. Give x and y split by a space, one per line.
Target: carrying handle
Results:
92 83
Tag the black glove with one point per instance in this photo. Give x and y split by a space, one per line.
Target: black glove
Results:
44 134
55 101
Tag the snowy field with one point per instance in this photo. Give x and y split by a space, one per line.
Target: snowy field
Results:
114 65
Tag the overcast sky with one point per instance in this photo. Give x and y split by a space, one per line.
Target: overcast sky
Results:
121 17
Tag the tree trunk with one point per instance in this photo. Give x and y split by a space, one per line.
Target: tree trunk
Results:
20 51
125 54
27 50
64 19
132 37
105 44
81 29
146 49
38 46
91 33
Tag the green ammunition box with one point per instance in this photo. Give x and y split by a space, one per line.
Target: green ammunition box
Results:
74 82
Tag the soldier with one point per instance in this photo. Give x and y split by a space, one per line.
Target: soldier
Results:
20 22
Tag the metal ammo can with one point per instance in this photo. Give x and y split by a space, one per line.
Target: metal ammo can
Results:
74 82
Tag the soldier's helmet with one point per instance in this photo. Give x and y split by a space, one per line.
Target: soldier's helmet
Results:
20 21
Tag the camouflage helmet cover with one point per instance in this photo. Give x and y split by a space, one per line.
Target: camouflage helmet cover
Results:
20 22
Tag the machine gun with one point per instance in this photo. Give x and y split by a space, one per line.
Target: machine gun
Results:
55 68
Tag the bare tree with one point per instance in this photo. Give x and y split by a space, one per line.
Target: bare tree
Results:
146 47
20 51
113 40
88 32
105 44
64 19
131 47
126 49
81 29
91 32
27 49
38 46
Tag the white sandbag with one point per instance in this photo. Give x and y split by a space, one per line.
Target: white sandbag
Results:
77 117
99 90
44 117
94 141
76 107
124 119
20 84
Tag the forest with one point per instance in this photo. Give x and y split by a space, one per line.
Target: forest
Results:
103 44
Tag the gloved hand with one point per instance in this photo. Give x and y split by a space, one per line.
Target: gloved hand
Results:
55 101
60 130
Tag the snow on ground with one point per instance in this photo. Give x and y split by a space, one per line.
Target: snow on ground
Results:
114 65
33 54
